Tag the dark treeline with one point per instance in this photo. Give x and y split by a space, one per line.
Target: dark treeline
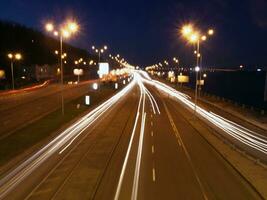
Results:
35 47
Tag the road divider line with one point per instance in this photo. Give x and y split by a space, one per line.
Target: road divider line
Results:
154 174
186 152
152 149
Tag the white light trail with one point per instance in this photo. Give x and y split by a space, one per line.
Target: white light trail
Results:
14 177
144 92
240 133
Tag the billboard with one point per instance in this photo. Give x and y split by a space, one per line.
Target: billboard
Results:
103 69
183 79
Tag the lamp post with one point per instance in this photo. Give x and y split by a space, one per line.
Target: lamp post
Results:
12 58
99 51
65 32
195 37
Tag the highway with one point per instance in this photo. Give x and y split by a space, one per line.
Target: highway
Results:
33 104
139 144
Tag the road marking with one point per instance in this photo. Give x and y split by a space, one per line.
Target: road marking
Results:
152 149
151 115
153 174
151 123
186 152
152 133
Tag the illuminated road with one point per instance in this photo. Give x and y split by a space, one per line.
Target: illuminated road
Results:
137 145
31 105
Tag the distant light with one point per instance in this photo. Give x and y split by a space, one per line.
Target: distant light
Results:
18 56
204 75
116 86
210 31
194 37
95 86
56 52
49 27
105 47
10 55
258 70
123 82
187 30
65 33
203 37
73 27
55 33
93 47
197 68
241 66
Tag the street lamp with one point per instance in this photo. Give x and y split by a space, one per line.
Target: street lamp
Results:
65 31
99 51
13 58
195 37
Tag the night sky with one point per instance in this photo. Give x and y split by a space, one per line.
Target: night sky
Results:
146 31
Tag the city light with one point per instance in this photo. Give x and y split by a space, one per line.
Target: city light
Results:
194 37
49 27
65 33
203 37
73 27
187 30
197 68
10 55
210 31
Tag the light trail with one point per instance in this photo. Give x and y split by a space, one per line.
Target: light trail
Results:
17 175
236 131
141 109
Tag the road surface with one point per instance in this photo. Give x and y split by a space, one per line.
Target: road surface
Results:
137 145
21 108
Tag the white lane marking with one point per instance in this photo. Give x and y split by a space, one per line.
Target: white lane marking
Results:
153 174
244 135
139 155
128 150
186 152
151 123
11 180
153 149
152 134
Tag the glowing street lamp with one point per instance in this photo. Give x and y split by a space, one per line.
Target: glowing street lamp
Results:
13 57
195 37
210 31
187 30
99 51
66 31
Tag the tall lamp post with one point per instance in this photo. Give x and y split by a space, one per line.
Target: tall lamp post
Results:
64 32
195 37
13 57
99 51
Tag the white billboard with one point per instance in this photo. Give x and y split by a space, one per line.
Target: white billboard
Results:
103 69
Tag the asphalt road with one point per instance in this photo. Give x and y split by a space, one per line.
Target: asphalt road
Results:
18 109
139 147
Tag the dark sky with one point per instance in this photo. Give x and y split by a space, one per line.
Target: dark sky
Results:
146 31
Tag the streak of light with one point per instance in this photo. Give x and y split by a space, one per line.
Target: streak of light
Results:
238 132
18 174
